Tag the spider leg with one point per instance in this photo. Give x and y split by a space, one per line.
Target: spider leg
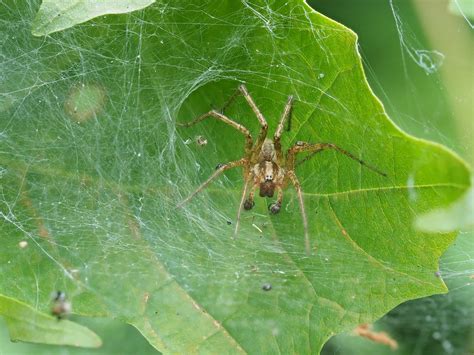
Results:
263 123
316 148
253 106
227 120
299 192
242 90
220 169
242 199
279 130
231 99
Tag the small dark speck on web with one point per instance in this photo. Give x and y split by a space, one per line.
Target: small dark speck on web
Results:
229 223
438 273
266 287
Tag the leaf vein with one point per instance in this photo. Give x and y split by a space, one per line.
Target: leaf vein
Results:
372 259
385 188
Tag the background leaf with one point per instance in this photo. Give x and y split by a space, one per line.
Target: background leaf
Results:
55 15
118 338
26 324
93 169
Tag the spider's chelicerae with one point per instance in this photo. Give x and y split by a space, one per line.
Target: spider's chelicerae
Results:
265 166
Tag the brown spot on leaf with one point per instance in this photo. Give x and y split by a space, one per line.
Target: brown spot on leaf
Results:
28 203
84 102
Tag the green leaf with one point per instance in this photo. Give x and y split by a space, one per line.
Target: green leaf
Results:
112 332
57 15
27 324
422 323
93 167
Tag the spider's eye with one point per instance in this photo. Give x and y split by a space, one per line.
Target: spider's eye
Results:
267 189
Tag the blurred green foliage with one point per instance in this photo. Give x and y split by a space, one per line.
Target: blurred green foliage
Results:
118 338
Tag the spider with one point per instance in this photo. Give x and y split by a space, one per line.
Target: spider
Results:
61 307
265 166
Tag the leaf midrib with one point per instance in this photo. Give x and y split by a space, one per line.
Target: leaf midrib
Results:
41 169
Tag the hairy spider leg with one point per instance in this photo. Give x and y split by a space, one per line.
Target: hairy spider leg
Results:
230 122
242 199
215 174
263 123
318 147
276 138
294 180
231 99
242 90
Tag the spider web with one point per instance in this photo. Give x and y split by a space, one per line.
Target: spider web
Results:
92 165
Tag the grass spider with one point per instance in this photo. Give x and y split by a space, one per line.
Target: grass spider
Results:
265 166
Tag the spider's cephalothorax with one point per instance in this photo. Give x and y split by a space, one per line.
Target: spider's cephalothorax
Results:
267 174
264 165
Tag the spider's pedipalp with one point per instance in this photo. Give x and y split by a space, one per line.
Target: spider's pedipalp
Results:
274 207
249 204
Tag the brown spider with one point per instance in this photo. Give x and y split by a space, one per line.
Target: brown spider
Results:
264 165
